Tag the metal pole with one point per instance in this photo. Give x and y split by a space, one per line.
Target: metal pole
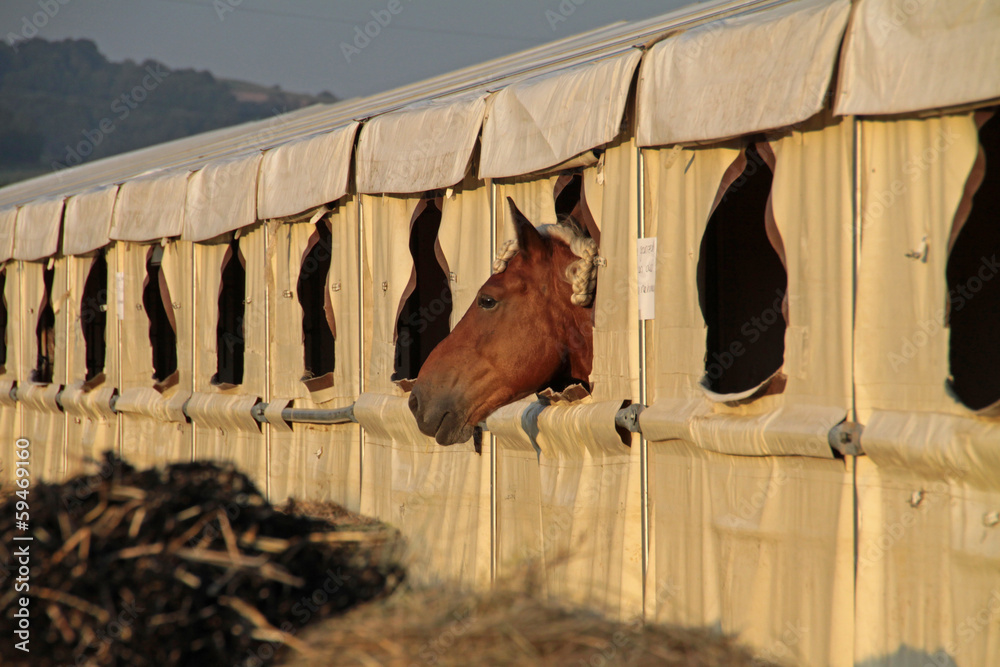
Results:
119 249
194 344
22 367
67 313
343 415
267 357
626 418
643 445
855 252
361 337
856 229
494 518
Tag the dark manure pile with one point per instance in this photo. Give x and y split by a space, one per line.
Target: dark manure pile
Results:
183 565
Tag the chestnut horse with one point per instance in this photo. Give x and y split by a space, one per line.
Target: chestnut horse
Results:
530 327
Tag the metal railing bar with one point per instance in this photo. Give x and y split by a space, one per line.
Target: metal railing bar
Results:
845 437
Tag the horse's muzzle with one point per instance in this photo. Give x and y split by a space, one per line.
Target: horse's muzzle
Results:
439 417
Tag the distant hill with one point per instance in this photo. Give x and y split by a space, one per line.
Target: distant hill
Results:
62 103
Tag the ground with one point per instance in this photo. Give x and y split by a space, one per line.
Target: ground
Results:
189 564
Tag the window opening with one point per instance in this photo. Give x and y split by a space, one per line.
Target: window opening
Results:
742 282
162 328
229 337
45 333
571 202
94 316
424 320
319 329
973 283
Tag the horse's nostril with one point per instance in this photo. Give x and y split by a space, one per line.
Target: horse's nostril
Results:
414 403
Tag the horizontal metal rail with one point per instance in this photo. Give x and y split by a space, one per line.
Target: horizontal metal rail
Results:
845 437
343 415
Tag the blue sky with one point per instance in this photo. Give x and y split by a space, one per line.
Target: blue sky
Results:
348 48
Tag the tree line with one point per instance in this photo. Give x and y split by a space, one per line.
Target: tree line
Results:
63 103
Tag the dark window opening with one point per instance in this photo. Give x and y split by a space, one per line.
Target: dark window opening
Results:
568 196
45 333
571 202
229 338
741 285
973 283
162 329
319 330
3 321
94 316
425 318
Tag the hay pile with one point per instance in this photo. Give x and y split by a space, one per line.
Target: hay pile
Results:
510 626
189 565
186 565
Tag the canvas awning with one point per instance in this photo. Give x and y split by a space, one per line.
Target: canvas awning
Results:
739 75
305 173
36 235
910 56
421 147
221 197
546 120
150 207
87 223
8 217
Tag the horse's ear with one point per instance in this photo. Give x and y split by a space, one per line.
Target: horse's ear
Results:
528 238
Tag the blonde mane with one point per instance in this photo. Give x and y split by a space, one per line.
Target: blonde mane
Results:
581 274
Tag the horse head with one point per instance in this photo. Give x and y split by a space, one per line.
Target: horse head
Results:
530 327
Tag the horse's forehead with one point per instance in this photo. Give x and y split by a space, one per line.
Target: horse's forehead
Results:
515 275
521 269
562 253
555 260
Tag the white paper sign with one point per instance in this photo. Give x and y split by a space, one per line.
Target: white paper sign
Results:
120 294
647 278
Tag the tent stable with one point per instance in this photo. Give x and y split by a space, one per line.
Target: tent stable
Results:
814 452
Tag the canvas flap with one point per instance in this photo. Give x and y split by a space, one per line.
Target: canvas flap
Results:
36 235
913 176
308 172
464 236
914 55
387 222
8 219
87 225
548 119
221 197
742 74
150 207
420 147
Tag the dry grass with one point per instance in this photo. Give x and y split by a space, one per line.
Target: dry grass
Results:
440 627
509 626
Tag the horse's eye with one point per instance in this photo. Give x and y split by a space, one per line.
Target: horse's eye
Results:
487 302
